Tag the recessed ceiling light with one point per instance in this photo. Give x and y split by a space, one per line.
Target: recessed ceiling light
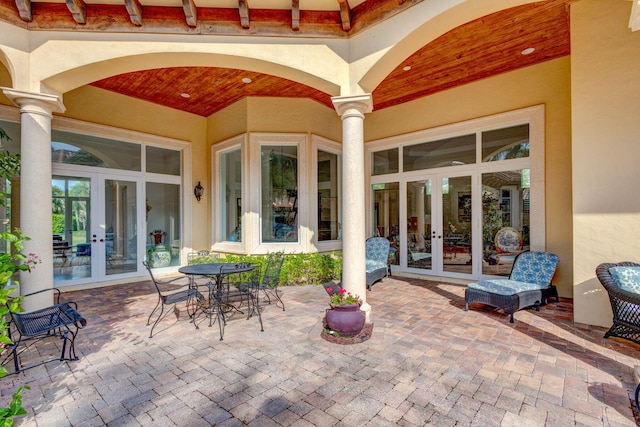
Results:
185 95
528 51
246 80
406 67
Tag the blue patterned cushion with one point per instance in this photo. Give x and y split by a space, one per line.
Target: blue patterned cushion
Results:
504 286
627 278
535 267
377 248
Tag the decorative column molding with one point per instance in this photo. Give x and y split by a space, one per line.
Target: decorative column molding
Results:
352 110
35 188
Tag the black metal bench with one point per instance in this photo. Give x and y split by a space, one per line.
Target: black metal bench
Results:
59 320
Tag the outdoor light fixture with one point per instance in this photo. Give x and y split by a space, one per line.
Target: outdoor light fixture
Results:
198 191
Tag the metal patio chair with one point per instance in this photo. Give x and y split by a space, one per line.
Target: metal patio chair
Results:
60 320
172 292
271 278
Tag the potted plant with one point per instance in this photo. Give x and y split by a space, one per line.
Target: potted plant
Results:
344 318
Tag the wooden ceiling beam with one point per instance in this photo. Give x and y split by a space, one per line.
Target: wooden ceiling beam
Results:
243 8
345 14
135 11
24 9
295 15
78 10
190 12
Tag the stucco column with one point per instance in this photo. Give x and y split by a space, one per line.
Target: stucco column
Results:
352 109
35 188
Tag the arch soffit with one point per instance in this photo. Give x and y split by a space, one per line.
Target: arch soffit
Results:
6 62
90 72
429 31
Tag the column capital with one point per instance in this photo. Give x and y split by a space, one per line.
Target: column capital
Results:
353 106
35 103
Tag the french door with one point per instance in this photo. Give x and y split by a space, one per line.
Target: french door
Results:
95 227
438 229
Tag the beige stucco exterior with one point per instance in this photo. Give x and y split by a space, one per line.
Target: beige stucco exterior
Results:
605 150
591 99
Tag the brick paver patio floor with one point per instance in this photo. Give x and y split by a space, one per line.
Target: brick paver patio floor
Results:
428 362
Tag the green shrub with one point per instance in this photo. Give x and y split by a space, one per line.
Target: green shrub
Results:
297 269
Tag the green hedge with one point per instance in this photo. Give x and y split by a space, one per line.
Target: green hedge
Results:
297 269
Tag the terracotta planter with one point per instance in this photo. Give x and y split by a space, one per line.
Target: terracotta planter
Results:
346 320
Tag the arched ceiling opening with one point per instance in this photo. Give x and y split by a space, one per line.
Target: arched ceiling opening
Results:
481 48
205 90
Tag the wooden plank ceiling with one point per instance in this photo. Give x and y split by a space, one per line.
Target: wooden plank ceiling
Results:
476 50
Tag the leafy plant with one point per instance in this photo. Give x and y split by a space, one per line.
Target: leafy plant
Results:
11 262
343 297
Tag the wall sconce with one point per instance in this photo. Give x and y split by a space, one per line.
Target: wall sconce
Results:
198 191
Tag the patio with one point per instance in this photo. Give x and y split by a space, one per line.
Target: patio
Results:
428 362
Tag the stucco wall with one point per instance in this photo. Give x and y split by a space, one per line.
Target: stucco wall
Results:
606 102
547 83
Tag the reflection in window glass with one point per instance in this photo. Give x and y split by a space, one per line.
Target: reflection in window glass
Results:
419 224
385 162
164 161
386 215
505 219
279 193
459 150
231 196
329 170
163 224
506 143
456 224
87 150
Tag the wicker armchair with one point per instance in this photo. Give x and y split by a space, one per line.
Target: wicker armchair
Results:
377 256
625 301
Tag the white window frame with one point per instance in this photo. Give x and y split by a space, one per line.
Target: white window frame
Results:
220 244
329 146
256 141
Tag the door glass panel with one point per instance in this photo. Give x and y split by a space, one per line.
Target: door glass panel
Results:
419 224
163 224
120 226
71 218
386 216
456 224
505 219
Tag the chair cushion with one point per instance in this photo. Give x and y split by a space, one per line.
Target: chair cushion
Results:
372 265
504 286
627 278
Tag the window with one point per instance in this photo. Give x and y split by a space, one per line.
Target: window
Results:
329 178
459 150
505 143
164 161
386 215
505 218
385 161
88 150
231 195
279 202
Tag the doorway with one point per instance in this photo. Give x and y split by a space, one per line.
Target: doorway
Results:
439 225
95 224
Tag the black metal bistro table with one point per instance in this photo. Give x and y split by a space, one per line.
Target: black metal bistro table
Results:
218 303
